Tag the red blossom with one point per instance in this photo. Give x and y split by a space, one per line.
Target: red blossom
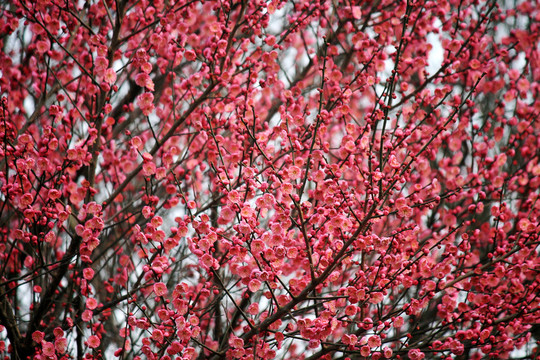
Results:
38 336
93 341
61 345
110 76
48 348
145 102
91 303
160 289
269 179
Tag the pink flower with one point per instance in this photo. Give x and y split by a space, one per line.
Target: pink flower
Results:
160 289
149 168
227 215
374 341
376 297
294 172
253 309
60 345
101 63
42 46
137 143
87 315
88 273
356 12
144 80
93 341
54 194
475 64
365 350
254 285
48 348
257 246
190 55
287 188
207 260
351 310
349 339
157 335
147 212
91 303
38 336
58 332
146 103
405 212
234 197
26 200
394 163
416 354
387 352
236 342
110 76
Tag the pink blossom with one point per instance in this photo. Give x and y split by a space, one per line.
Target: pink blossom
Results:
93 341
160 289
87 315
38 336
91 303
234 197
356 12
48 348
144 80
365 350
145 102
88 273
374 341
294 172
254 285
253 309
157 335
110 76
416 354
60 345
42 46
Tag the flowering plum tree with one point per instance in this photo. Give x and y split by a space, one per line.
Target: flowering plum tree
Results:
269 179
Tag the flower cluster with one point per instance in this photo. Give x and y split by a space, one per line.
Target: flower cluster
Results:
269 179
